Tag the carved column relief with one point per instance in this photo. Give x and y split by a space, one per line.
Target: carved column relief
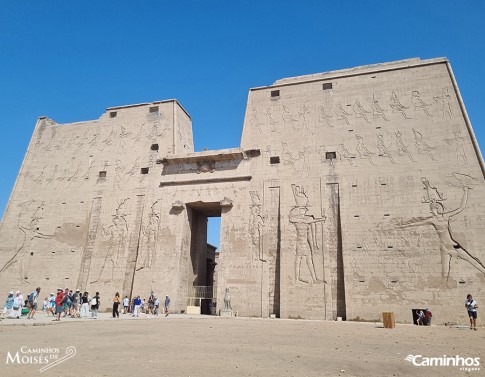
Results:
133 246
87 255
271 251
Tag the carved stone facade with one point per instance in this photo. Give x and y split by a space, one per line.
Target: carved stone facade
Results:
353 192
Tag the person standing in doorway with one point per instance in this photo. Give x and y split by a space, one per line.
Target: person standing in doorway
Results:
471 306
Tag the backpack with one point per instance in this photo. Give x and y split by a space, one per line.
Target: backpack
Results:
30 298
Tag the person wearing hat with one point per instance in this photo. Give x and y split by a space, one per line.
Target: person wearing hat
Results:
51 306
18 302
58 301
8 302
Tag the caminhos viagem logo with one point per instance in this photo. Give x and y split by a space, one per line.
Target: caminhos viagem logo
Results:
46 357
468 364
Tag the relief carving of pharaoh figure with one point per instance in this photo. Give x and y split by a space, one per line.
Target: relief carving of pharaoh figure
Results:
441 222
117 236
306 236
30 232
256 223
150 234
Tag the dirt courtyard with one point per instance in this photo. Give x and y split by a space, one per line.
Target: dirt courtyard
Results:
212 346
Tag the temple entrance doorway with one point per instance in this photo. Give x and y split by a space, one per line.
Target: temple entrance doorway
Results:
203 217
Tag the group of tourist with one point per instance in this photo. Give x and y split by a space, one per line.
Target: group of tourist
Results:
424 317
78 305
151 307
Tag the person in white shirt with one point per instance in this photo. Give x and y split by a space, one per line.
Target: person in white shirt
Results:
51 307
471 306
126 304
18 302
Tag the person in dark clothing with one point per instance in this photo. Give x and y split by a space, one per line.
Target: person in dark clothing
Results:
116 303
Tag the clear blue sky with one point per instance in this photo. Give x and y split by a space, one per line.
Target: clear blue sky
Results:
70 60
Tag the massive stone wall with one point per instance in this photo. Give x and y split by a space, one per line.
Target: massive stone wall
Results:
354 192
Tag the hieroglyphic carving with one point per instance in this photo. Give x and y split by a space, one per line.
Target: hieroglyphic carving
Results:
303 113
360 112
377 110
94 140
418 103
364 153
40 177
123 138
270 121
445 100
135 168
304 157
431 193
440 221
85 176
323 116
289 120
255 121
403 148
108 141
421 145
52 176
460 155
287 157
74 176
138 136
383 150
396 105
306 238
80 144
256 224
342 114
345 154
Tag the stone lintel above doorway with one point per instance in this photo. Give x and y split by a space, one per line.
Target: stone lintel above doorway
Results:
209 156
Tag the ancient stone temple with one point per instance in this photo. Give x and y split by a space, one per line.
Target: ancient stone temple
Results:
353 192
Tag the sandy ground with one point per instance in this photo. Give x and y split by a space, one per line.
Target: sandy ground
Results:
180 345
